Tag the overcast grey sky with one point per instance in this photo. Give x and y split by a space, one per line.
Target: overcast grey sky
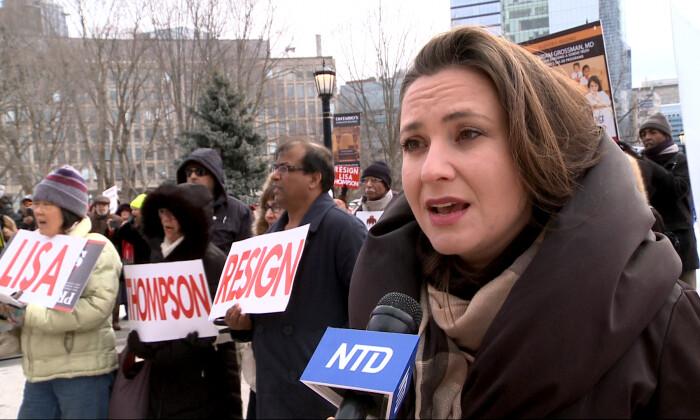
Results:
646 23
344 25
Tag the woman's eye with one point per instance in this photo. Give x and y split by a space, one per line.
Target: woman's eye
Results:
411 145
468 134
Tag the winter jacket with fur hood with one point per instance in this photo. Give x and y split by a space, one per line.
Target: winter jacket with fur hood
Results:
597 324
232 220
79 343
190 377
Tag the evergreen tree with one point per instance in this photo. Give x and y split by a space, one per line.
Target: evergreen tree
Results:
223 122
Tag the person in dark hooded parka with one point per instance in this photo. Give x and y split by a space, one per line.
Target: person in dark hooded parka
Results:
190 377
232 219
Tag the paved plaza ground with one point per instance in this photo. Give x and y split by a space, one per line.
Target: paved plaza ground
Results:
12 380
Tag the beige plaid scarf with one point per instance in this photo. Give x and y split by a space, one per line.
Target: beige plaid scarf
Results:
450 334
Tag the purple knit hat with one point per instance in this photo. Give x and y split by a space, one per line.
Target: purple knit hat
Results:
65 188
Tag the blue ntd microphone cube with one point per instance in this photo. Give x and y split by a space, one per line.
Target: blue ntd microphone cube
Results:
369 361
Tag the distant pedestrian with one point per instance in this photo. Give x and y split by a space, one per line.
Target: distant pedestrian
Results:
668 185
376 184
103 221
268 211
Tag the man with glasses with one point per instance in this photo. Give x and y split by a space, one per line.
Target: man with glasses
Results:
284 342
376 182
232 220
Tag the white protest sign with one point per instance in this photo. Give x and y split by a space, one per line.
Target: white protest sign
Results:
167 301
113 194
369 218
259 273
39 266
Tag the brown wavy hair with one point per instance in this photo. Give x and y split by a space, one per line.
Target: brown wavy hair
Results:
552 135
260 225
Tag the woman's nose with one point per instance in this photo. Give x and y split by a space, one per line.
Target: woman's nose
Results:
437 164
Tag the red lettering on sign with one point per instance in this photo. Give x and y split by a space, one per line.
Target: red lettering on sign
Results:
36 265
199 292
182 281
260 290
133 296
245 289
250 274
162 292
153 303
287 268
226 279
175 312
51 275
5 279
140 288
21 270
239 273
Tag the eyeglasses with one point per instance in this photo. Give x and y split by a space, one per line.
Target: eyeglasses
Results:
275 209
283 168
195 170
371 180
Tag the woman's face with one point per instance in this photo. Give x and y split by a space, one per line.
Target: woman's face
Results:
49 219
593 86
272 212
171 226
458 174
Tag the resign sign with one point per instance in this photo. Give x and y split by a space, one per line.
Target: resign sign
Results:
347 176
259 273
39 266
167 301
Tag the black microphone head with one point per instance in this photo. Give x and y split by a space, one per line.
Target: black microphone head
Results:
405 303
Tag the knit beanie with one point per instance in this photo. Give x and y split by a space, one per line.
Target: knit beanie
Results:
659 122
65 188
380 170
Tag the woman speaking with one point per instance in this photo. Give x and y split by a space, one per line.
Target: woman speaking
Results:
524 237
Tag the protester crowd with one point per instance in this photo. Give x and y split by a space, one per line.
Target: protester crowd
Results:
546 261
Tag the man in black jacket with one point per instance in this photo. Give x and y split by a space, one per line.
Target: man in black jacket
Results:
232 220
283 342
668 185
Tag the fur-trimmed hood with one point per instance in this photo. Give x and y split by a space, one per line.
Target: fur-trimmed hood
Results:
191 206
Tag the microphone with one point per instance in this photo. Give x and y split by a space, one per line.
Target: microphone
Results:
395 313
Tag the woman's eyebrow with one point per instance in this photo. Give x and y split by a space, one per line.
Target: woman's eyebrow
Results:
462 114
447 118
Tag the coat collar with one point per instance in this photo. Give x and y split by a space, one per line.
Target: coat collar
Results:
313 216
596 283
81 229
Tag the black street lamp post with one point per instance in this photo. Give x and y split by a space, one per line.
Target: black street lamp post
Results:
325 83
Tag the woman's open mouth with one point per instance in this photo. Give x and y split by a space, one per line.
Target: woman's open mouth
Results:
446 211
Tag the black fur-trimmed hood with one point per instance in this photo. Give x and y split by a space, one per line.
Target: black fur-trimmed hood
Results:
191 206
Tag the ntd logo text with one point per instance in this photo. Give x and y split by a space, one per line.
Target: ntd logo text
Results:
372 365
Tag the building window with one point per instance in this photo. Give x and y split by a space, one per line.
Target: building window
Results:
538 23
516 14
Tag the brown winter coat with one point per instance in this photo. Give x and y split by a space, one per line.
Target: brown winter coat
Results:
596 326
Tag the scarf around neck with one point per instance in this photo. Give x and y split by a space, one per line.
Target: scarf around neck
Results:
167 247
450 335
656 150
378 205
